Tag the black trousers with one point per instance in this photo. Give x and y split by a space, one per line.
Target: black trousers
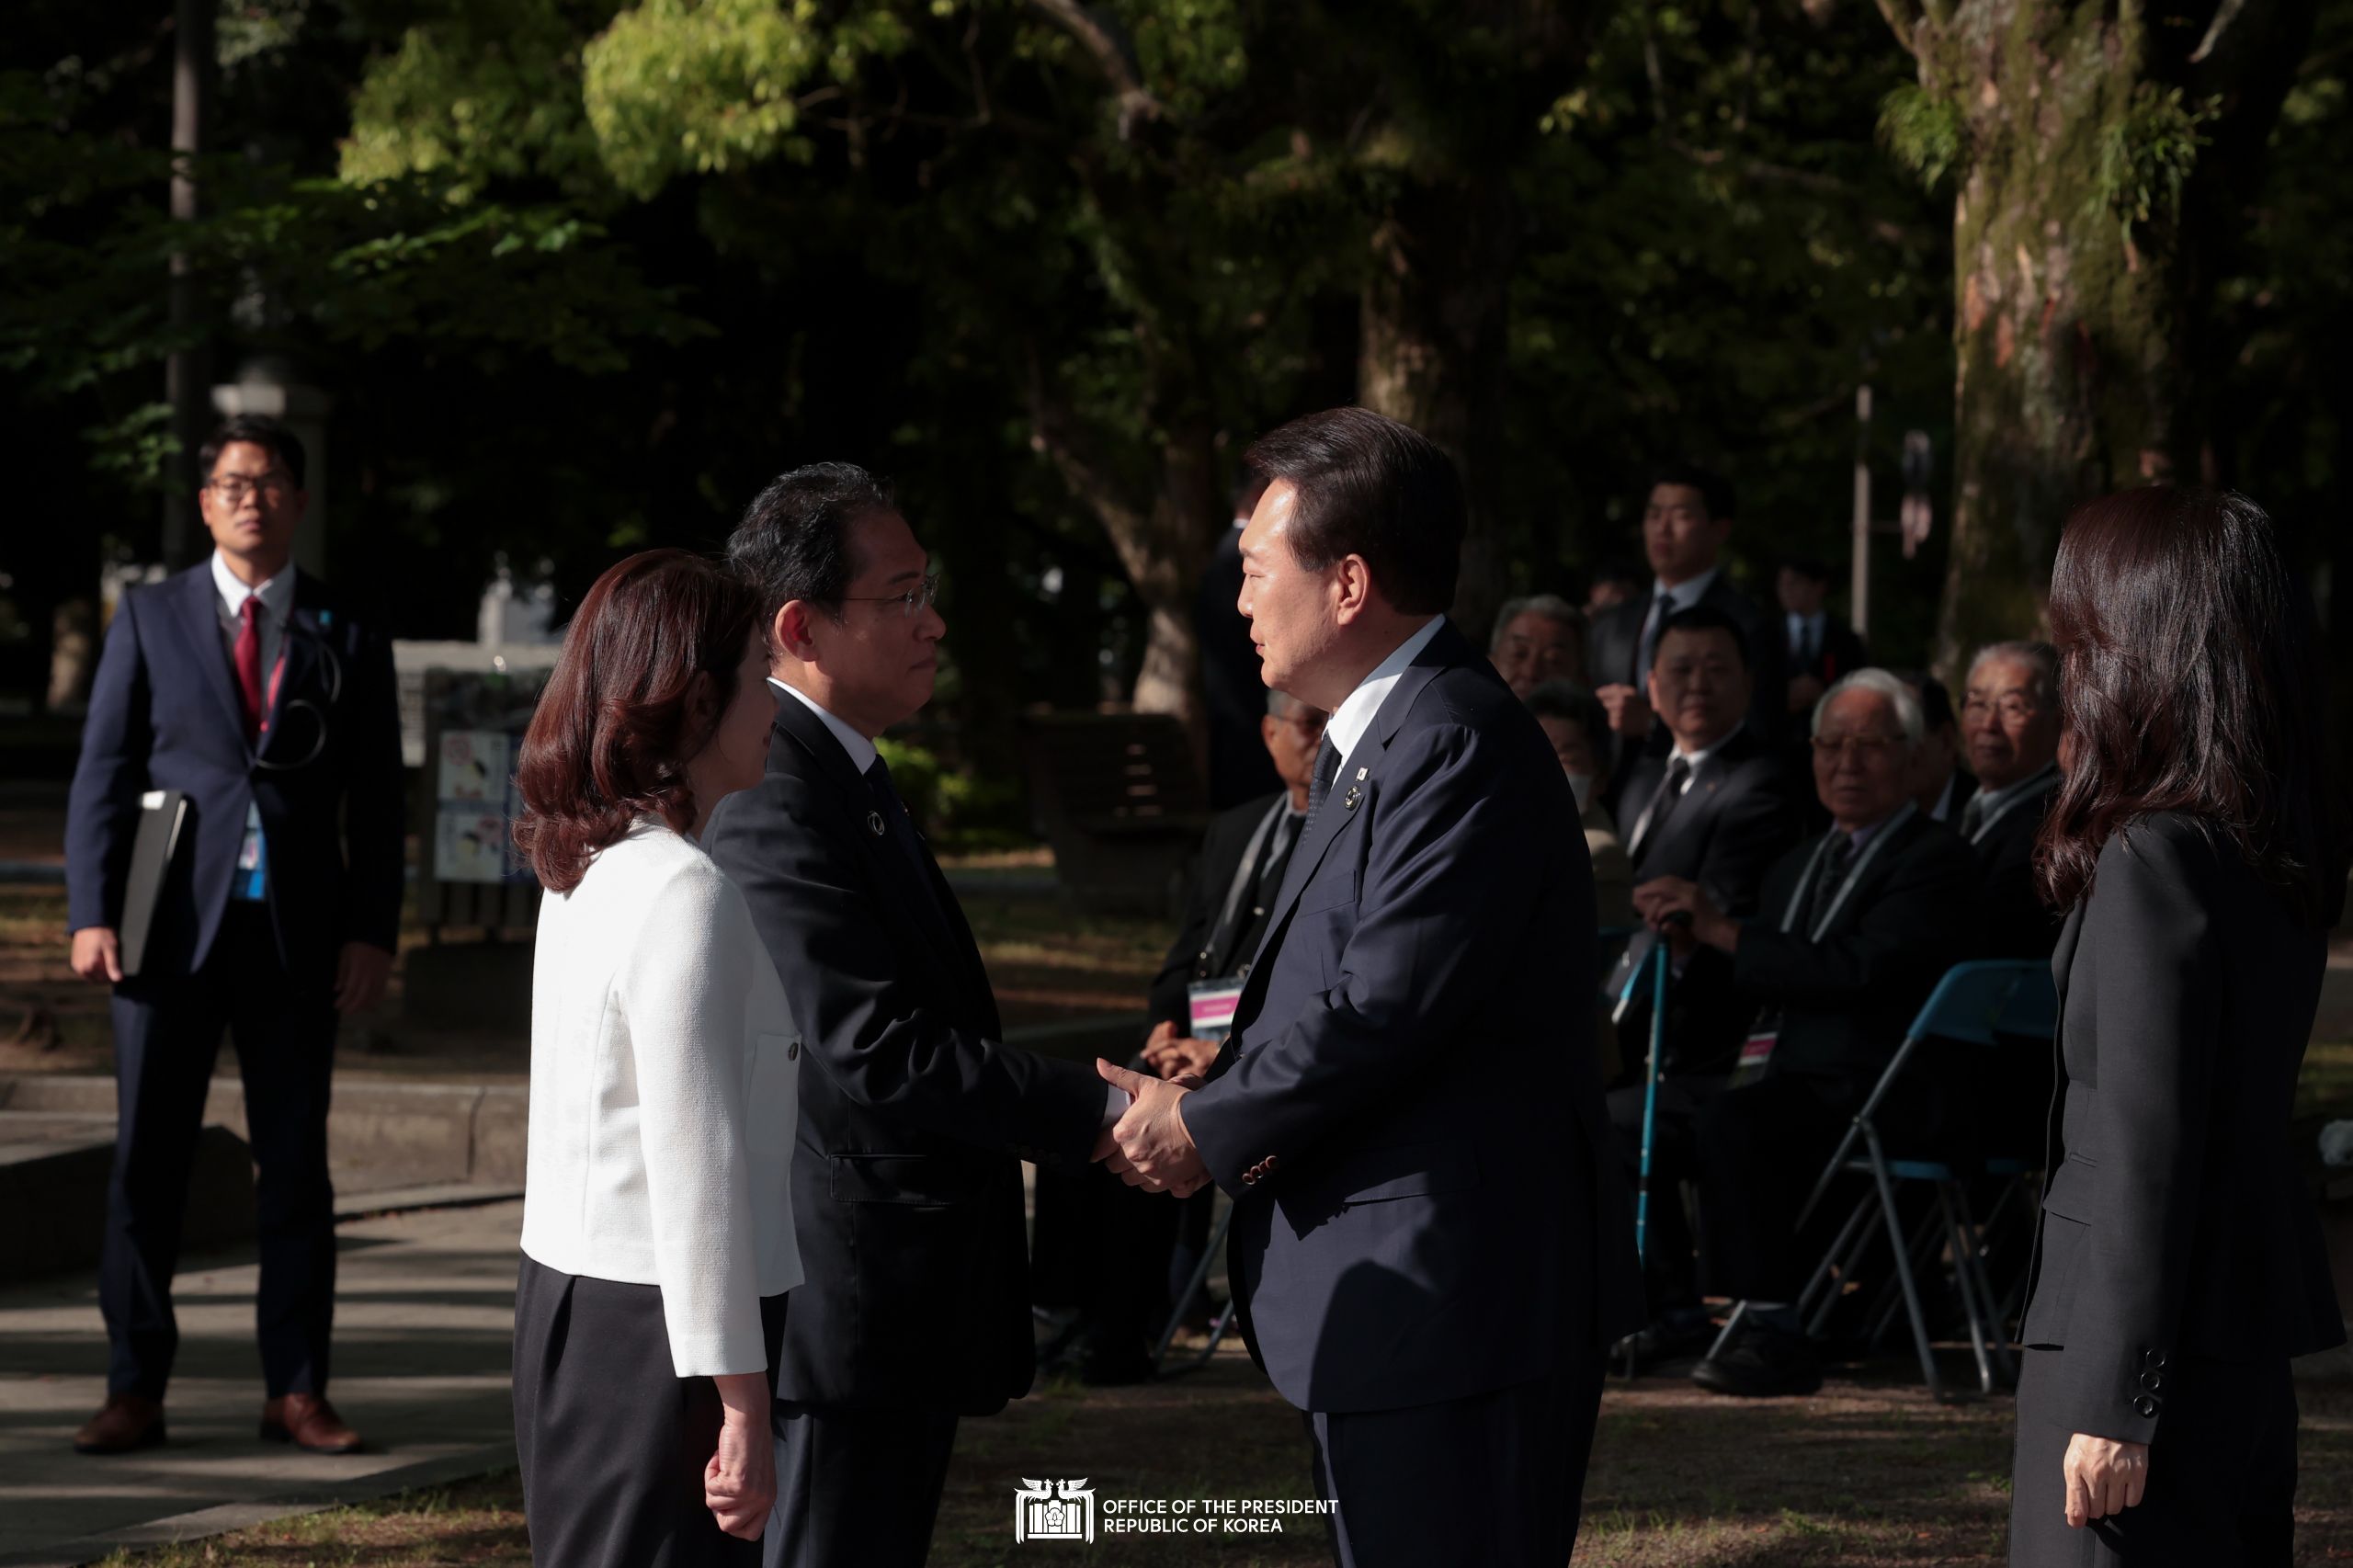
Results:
1496 1480
2222 1486
1761 1148
856 1488
1668 1270
167 1038
612 1441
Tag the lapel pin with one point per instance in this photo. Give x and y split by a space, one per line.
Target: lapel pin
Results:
1348 802
1362 771
874 823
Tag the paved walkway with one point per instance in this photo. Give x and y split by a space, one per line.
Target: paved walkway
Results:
424 1325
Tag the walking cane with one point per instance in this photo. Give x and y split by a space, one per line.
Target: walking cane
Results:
1657 965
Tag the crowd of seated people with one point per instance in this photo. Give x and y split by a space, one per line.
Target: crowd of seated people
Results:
1816 841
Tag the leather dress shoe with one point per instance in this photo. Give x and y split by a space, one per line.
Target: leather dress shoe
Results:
127 1422
1762 1363
307 1421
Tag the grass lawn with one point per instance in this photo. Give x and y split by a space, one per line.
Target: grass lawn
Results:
1869 1475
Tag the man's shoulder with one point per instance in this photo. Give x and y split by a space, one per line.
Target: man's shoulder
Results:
1241 820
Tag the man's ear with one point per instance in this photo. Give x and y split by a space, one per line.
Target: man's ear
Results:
790 632
1355 580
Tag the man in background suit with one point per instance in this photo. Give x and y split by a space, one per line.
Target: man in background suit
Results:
1429 1246
1713 812
1855 928
242 684
1099 1245
914 1116
1941 785
2009 722
1821 648
1685 526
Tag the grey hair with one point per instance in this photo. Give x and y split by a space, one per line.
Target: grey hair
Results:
1908 717
1280 702
1552 607
2040 657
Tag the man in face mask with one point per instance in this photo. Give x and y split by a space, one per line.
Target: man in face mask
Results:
1575 721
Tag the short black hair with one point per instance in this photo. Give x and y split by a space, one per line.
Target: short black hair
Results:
1714 489
1809 567
1566 699
794 541
1935 702
256 429
1708 618
1371 486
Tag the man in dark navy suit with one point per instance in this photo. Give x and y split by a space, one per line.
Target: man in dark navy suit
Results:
1430 1239
241 684
914 1114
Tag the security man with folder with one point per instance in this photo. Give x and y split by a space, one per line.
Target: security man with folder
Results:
234 864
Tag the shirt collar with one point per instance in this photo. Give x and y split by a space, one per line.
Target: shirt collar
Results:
861 750
1692 759
1990 801
276 594
1684 595
1354 717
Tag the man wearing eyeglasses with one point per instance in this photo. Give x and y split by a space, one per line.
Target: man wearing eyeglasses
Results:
1852 931
914 1115
2009 722
244 686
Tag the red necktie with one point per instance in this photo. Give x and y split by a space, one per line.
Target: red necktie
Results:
248 660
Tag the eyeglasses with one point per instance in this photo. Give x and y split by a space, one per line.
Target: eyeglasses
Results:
911 603
233 488
1866 748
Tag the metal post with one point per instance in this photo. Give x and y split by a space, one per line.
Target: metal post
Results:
1859 588
184 376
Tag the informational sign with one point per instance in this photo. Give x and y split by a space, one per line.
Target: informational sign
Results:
474 724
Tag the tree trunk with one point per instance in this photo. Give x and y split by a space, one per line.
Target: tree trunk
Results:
2078 283
1434 311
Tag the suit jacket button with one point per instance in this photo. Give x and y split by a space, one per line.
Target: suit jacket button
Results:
2157 1359
1271 1164
792 1052
2152 1381
2145 1406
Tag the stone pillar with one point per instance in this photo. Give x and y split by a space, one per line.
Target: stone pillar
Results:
265 386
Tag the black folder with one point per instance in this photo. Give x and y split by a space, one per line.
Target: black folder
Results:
162 815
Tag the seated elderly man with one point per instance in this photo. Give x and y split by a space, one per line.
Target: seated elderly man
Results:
1575 721
1537 639
1853 930
2009 722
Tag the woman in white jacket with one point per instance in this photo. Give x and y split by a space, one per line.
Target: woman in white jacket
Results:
657 1213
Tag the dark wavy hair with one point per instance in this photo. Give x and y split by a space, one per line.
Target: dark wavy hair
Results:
621 715
2189 681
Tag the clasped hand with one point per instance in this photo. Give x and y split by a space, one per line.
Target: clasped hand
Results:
2105 1476
1148 1146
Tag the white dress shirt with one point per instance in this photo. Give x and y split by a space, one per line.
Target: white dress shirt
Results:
1993 804
1355 714
665 1097
276 596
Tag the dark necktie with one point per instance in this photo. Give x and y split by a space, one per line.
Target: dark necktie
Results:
1327 763
1660 608
1662 803
248 663
1972 816
1831 880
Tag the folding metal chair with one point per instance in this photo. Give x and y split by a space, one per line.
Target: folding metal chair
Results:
1977 1004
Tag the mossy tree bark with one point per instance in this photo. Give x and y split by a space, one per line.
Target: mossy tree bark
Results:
2105 150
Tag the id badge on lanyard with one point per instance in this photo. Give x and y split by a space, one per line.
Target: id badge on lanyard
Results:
1756 1050
251 884
1211 1004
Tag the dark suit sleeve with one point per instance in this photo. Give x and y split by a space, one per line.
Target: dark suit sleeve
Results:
1450 878
2159 989
102 810
1916 930
879 1043
376 800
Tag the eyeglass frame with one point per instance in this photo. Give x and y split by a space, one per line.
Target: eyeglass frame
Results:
233 488
922 597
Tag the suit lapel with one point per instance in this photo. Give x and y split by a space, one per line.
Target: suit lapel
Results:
925 895
2063 957
199 617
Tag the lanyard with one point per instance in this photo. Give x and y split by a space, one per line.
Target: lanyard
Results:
2019 791
1245 874
1854 874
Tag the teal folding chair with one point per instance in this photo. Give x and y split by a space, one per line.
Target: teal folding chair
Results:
1981 1004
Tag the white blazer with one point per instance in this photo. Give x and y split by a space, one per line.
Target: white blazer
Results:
665 1075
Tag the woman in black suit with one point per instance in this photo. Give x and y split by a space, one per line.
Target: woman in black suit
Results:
2179 1263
